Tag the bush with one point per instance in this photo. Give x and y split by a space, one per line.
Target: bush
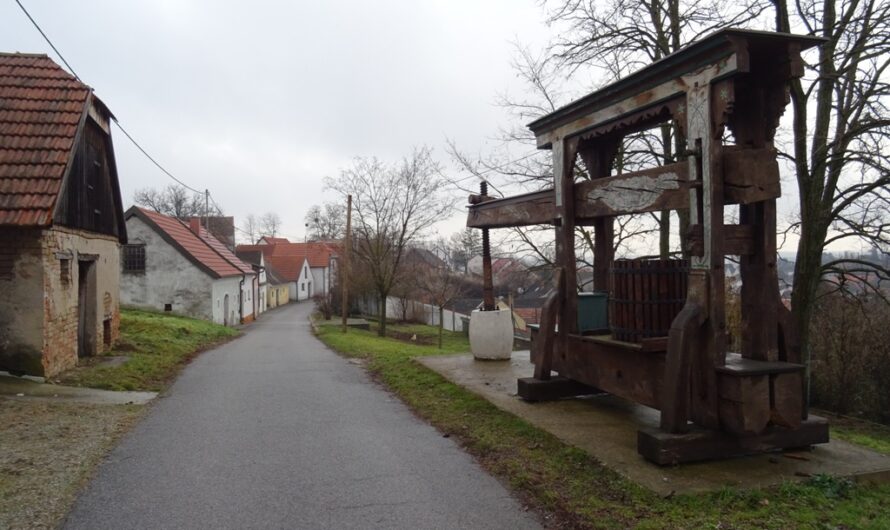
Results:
850 344
323 305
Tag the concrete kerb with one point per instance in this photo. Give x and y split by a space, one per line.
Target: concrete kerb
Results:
606 428
19 388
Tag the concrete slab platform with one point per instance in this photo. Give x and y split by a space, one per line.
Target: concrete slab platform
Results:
27 389
606 427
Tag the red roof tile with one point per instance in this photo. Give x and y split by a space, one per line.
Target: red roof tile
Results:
200 250
41 106
223 250
287 258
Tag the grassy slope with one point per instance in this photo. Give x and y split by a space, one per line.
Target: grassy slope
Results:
573 485
157 346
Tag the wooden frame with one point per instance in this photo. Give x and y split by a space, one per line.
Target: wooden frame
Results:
732 79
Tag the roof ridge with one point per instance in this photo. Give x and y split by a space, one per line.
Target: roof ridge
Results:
23 54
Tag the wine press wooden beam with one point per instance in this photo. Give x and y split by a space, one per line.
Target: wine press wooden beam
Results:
749 175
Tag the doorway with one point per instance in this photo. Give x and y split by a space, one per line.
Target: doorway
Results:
86 307
226 310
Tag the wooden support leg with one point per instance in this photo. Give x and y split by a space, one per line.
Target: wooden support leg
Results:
546 339
681 348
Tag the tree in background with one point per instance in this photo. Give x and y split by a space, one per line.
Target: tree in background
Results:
176 201
463 246
250 227
326 222
393 205
270 224
841 146
441 286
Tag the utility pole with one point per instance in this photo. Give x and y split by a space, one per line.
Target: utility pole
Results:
207 209
344 267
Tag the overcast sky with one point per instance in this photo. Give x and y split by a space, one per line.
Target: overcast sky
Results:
259 101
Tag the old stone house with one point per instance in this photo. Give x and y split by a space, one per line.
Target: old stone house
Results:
178 266
61 219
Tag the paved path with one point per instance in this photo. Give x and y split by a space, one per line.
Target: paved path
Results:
275 431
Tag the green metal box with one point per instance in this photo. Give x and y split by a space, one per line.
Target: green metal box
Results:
593 312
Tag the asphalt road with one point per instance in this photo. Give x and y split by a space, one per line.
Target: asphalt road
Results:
274 430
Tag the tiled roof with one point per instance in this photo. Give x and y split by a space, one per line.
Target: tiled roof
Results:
41 107
195 248
274 240
288 257
287 267
273 276
254 257
222 250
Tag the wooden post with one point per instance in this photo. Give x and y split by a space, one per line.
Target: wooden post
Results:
564 152
598 160
344 267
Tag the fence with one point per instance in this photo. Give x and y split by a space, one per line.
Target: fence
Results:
416 311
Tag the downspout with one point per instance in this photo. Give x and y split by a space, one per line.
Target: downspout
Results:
241 297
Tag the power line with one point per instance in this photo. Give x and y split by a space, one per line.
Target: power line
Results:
116 122
47 39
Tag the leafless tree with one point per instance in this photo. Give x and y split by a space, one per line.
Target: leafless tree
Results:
463 246
250 227
441 286
326 222
175 201
270 224
840 148
393 205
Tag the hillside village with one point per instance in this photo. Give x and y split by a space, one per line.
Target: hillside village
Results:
609 330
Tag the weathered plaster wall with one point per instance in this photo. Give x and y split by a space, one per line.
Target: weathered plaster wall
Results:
222 287
61 299
319 280
39 297
21 300
169 277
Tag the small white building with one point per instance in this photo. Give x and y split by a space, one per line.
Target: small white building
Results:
169 265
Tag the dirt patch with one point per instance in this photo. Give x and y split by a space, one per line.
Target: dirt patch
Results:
50 450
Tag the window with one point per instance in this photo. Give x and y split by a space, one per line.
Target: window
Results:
302 286
65 272
305 274
169 307
134 258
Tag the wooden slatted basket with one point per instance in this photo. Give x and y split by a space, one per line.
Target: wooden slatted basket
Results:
646 296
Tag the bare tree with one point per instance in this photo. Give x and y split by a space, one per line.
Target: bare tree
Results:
393 205
176 201
326 222
463 246
840 150
270 224
250 227
441 287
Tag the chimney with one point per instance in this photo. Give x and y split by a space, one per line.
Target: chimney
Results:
195 225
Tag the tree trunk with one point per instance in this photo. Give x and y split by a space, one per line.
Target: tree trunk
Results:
441 325
381 328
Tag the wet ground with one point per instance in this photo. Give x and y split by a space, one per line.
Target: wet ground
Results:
273 430
606 427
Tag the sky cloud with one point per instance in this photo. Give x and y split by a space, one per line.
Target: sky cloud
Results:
259 101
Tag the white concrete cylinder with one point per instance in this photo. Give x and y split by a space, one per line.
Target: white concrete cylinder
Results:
491 334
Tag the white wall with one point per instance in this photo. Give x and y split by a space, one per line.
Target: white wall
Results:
230 286
169 277
425 313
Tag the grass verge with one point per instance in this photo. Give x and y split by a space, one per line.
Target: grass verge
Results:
152 349
572 488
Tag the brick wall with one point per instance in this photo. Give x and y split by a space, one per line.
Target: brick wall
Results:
63 249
